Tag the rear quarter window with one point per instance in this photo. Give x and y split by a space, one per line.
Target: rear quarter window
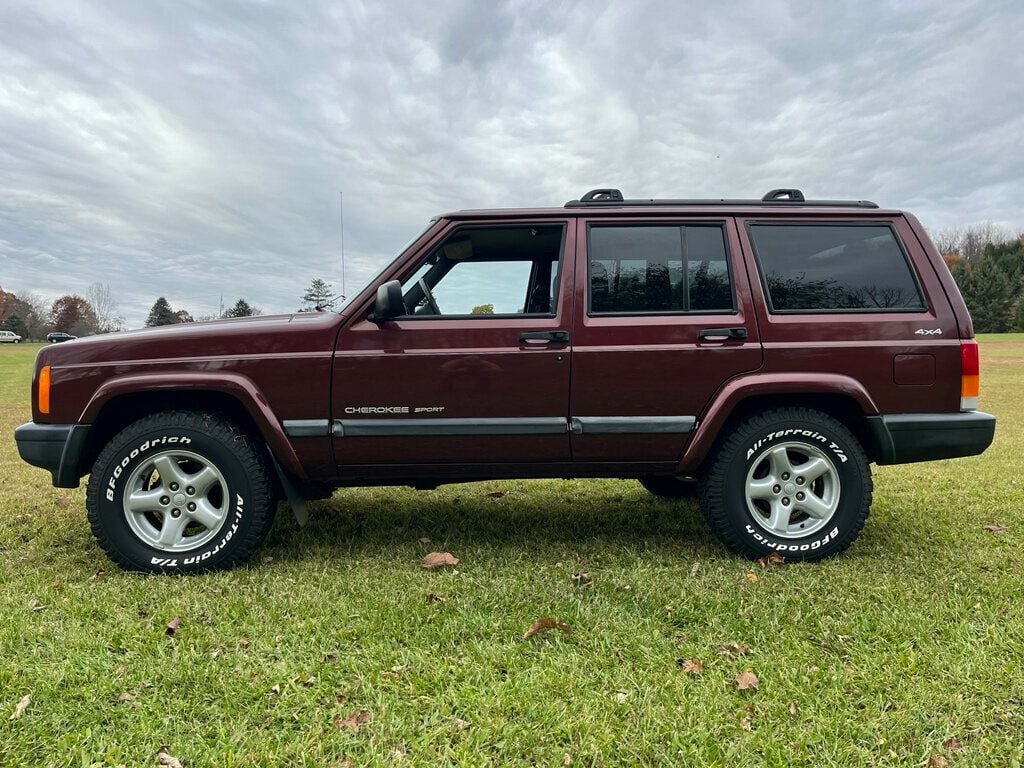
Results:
834 268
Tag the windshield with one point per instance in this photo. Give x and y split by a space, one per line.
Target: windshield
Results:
345 301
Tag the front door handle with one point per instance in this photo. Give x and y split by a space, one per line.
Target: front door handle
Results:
540 338
722 334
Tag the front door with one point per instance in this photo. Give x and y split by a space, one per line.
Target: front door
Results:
477 370
663 319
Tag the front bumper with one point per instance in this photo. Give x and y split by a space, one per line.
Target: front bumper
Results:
907 437
58 448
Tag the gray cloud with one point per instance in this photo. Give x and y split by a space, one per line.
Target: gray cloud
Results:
192 151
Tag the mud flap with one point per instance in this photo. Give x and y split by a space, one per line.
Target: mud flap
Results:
295 499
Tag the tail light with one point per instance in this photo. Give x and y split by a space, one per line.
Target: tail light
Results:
970 375
43 393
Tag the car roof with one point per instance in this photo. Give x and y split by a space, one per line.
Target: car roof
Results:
610 202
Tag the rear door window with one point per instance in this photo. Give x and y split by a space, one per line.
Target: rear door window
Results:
658 269
834 268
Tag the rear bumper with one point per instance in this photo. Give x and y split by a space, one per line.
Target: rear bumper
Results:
54 447
907 437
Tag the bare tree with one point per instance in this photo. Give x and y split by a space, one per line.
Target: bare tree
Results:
969 242
102 300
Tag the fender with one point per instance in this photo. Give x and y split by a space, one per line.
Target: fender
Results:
739 389
241 388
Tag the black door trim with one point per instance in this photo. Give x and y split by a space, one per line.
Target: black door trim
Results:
553 425
632 425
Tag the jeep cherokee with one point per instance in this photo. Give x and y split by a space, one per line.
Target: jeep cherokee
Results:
759 353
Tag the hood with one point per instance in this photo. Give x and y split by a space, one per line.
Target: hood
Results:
235 337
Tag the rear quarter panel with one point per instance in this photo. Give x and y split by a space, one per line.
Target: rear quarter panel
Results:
870 348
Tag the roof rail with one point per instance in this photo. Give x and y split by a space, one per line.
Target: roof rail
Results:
598 198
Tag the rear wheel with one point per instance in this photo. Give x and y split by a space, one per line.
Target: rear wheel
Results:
793 481
180 491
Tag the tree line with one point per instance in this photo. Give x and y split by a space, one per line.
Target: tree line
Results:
986 261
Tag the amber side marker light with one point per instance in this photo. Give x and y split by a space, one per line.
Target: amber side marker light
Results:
44 389
970 375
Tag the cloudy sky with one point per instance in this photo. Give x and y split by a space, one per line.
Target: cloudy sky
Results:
195 150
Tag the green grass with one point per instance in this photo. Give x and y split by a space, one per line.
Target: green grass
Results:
913 637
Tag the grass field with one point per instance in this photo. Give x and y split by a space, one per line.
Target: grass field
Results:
337 649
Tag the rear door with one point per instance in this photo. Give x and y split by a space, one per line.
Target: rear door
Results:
477 371
663 319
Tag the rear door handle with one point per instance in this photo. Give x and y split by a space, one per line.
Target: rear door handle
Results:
540 338
722 334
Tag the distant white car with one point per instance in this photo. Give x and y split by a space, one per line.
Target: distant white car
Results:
9 337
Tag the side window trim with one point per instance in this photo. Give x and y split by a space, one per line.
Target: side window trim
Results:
559 262
925 305
681 226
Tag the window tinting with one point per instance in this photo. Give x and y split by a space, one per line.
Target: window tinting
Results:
658 269
834 268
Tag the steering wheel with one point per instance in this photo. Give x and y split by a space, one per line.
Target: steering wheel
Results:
429 297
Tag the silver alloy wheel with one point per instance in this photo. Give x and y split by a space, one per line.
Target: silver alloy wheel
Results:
176 501
792 489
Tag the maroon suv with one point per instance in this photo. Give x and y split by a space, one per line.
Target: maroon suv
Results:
761 353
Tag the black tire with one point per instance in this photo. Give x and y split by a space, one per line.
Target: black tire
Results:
740 456
670 487
242 495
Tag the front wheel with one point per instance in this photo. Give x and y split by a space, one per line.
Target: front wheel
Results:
180 491
793 481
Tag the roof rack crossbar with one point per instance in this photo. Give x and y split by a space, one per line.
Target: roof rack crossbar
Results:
598 198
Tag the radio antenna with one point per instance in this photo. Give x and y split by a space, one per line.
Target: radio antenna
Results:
341 211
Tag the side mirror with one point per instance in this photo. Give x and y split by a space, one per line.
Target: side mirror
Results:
390 303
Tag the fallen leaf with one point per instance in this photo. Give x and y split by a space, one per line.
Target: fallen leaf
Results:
461 725
997 528
433 598
746 724
268 558
353 721
172 626
751 576
566 759
620 697
306 681
342 699
773 559
695 568
691 666
166 759
546 625
275 691
747 680
20 707
496 494
937 761
100 573
63 502
36 606
952 745
424 540
125 697
792 708
439 560
583 579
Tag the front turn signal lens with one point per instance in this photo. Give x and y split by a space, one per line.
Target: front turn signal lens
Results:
43 396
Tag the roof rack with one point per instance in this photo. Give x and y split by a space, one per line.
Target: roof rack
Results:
598 198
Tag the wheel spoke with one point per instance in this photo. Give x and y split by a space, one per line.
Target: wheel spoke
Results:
169 471
779 519
202 481
779 458
814 506
813 469
144 501
761 489
206 514
171 530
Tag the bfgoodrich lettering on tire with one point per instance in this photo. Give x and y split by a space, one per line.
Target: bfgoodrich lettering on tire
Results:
791 480
180 491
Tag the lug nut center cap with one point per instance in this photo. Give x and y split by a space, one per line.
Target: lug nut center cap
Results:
789 488
179 499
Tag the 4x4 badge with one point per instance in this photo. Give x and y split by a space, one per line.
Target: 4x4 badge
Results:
928 331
